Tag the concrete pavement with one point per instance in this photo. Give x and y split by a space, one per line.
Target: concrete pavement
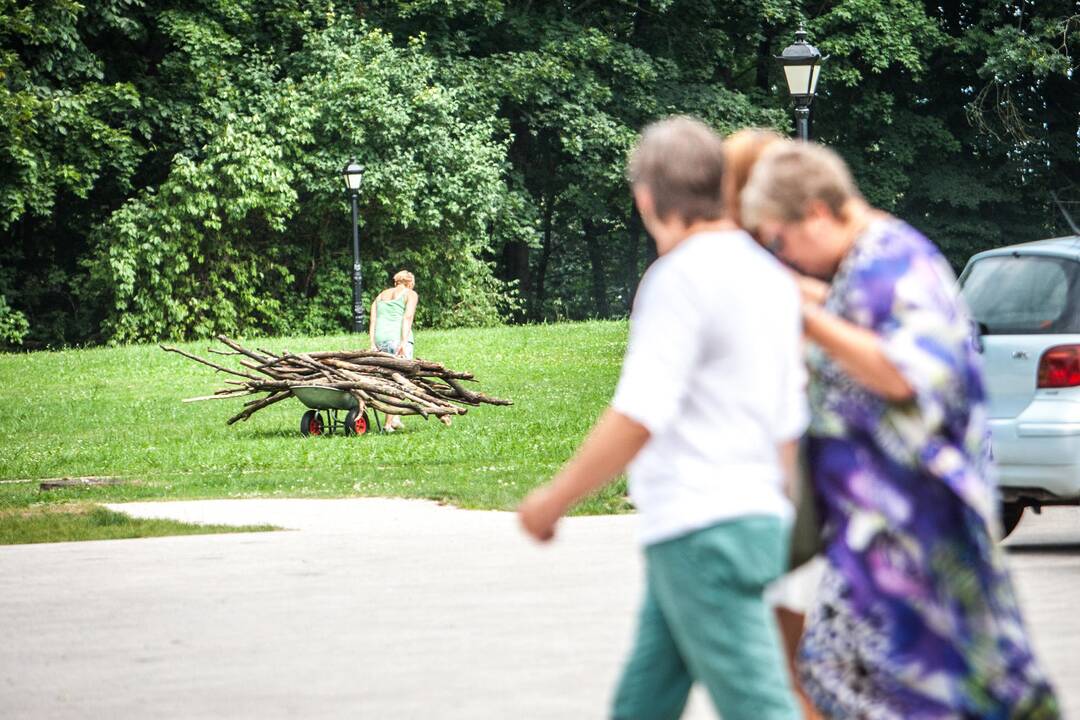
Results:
372 608
369 609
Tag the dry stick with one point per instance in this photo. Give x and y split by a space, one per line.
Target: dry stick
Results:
347 353
243 350
442 389
220 396
390 409
297 374
393 385
249 403
270 364
385 361
453 397
196 358
365 369
373 357
456 393
252 366
388 405
416 390
479 397
345 370
354 372
410 408
361 402
381 364
289 364
413 367
278 373
389 389
265 402
433 406
265 367
307 362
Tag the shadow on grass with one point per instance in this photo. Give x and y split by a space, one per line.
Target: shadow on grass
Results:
263 433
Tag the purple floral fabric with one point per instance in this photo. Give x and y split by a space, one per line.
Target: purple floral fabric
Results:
916 616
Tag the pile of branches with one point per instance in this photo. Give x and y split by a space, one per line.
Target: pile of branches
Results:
393 385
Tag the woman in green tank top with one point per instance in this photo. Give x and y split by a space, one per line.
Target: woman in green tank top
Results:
390 328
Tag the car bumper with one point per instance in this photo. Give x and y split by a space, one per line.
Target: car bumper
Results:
1040 449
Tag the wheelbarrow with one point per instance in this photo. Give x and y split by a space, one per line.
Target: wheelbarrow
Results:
325 405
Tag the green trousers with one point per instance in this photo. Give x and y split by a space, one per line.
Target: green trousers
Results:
704 620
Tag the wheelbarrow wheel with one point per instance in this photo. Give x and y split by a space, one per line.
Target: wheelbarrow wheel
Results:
311 424
356 423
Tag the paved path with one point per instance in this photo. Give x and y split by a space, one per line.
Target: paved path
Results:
372 609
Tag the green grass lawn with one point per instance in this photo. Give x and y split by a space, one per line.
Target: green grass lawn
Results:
117 412
79 521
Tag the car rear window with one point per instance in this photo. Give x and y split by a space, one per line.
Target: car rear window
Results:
1023 294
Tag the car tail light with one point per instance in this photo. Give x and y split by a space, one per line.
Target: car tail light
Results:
1059 367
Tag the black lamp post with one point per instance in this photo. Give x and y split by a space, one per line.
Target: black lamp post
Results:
802 64
354 175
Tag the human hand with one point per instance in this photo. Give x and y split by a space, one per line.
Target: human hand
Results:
811 290
400 350
539 513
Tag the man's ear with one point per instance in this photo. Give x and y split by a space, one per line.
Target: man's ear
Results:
644 199
817 209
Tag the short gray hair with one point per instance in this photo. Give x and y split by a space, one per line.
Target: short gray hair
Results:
681 161
789 176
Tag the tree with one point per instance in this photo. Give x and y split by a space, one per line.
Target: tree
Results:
216 246
170 166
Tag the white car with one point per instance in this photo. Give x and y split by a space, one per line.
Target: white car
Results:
1026 301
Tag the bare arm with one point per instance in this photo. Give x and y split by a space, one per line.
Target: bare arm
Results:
789 464
858 351
406 322
609 448
371 325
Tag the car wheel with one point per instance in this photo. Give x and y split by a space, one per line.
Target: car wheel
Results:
1010 517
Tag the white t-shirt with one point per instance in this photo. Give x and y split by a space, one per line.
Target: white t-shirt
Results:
714 370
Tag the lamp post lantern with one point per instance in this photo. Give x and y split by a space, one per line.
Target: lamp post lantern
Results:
802 65
354 176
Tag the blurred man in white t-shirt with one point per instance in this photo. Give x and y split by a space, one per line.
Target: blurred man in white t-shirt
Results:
707 410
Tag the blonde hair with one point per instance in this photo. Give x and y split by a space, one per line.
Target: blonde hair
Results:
681 161
404 277
788 176
742 150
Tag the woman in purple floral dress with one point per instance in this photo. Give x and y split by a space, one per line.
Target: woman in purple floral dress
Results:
916 616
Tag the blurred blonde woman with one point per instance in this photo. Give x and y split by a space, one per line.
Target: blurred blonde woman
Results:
741 150
792 594
390 329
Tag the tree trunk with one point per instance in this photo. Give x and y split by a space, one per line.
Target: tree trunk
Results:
601 308
765 59
633 256
542 266
1062 109
515 258
650 250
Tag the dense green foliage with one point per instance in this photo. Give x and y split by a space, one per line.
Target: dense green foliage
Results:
170 168
81 412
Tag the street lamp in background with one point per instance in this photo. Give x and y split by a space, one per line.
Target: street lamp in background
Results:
802 64
354 175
